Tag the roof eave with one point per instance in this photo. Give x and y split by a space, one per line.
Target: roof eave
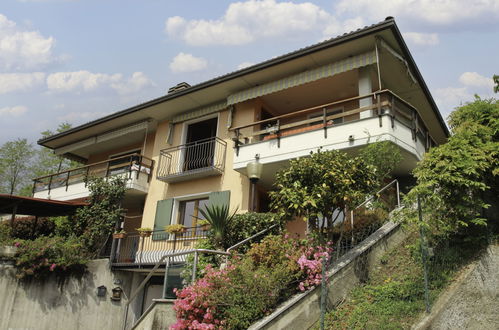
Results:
236 74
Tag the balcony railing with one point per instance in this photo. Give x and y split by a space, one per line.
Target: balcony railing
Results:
130 166
199 158
135 249
325 116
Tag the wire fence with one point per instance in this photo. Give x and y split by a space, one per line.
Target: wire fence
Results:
404 285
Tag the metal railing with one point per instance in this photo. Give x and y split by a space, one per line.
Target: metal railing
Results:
134 165
192 157
146 249
384 199
166 259
381 103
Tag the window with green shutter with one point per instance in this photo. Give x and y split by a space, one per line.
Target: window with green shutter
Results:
219 198
163 218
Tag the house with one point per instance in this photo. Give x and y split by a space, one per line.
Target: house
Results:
190 147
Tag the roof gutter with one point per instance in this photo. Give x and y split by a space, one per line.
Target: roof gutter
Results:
412 63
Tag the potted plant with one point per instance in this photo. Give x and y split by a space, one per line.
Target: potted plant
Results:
144 231
119 234
175 229
204 224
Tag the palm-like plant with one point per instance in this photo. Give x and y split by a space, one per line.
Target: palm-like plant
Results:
218 217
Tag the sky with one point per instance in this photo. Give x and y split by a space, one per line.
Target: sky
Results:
77 60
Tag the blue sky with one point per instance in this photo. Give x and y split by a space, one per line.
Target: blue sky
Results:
77 60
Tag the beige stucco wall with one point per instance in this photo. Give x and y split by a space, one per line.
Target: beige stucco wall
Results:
237 183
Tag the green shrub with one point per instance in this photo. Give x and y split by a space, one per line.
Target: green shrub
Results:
245 225
30 227
250 286
204 260
49 254
5 237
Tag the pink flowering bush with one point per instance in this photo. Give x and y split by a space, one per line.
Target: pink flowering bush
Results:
251 286
46 255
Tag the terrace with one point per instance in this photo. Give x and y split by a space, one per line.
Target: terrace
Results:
71 184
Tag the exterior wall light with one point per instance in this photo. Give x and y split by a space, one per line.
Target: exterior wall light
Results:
254 171
116 296
101 291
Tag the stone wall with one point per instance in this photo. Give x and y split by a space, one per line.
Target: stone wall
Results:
73 304
471 301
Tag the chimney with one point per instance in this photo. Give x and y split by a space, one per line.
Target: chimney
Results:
178 87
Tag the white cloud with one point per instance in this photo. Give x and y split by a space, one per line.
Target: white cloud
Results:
245 65
474 79
243 22
449 98
422 39
187 63
23 50
80 81
137 82
434 12
16 82
13 111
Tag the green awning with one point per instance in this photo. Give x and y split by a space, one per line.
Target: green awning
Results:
199 112
324 71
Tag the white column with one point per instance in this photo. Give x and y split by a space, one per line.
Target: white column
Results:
365 87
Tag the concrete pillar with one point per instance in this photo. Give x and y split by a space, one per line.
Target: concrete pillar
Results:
365 87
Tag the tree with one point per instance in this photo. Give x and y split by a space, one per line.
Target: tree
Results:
322 186
47 162
496 82
458 181
94 223
16 164
384 156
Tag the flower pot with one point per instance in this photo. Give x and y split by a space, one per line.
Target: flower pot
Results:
144 234
119 235
8 252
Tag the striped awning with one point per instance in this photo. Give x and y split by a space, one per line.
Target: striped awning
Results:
199 112
324 71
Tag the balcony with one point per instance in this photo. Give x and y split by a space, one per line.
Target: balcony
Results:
137 250
192 160
346 124
71 184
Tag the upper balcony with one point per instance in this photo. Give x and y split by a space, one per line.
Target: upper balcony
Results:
71 184
192 160
345 124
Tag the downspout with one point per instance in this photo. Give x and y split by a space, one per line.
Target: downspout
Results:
377 64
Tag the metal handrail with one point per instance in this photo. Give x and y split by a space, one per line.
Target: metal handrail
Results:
156 266
227 253
250 238
380 191
372 197
93 164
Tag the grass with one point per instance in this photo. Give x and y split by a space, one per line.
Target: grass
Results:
393 297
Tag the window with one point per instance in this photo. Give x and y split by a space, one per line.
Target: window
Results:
189 211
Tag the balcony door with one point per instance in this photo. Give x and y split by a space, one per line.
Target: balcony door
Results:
200 144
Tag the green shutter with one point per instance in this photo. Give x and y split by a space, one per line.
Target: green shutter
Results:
163 218
219 198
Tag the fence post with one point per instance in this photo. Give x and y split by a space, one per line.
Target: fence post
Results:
165 282
323 292
423 256
194 266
